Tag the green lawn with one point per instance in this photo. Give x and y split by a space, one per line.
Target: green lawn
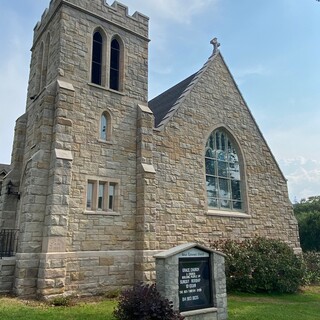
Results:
302 306
13 309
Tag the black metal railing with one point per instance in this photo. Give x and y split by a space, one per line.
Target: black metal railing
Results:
8 242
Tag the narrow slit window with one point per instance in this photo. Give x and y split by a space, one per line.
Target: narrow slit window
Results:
111 196
115 65
101 196
90 196
104 127
45 63
39 69
96 68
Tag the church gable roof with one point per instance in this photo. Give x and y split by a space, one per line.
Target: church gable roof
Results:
162 104
167 103
4 168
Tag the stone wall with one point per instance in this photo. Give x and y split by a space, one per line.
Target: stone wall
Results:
7 266
85 273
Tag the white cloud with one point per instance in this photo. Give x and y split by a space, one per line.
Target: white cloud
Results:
291 136
303 176
180 11
258 70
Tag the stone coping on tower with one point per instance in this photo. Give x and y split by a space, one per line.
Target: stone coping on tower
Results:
116 13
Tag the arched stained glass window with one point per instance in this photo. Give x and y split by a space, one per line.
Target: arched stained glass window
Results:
115 65
96 68
223 178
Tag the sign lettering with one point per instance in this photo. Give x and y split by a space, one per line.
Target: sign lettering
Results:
194 283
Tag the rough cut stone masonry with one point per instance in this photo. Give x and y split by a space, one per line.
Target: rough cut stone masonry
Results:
159 172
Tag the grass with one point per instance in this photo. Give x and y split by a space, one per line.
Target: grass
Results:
305 305
97 309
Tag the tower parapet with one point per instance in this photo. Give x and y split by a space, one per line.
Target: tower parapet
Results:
116 13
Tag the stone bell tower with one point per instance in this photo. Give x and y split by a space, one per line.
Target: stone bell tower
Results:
75 150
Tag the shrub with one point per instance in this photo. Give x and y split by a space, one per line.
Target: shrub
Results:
261 265
312 264
112 294
144 302
61 301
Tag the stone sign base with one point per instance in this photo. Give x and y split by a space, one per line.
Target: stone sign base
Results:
193 278
201 314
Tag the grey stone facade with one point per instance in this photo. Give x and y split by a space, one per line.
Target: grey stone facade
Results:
158 169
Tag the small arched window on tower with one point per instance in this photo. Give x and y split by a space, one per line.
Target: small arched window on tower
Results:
96 67
115 59
105 127
223 173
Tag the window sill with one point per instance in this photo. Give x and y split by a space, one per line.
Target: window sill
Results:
106 89
102 213
230 214
105 141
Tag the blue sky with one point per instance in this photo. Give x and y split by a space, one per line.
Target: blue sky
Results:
271 47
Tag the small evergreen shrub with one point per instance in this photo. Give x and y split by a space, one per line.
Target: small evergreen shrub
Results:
112 294
312 265
61 301
261 265
144 302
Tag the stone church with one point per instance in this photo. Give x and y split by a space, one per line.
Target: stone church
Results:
101 179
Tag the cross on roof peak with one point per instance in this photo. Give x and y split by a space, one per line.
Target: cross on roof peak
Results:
215 44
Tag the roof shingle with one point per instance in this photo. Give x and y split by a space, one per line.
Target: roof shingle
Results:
161 104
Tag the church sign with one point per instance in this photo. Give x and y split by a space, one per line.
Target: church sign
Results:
193 278
194 283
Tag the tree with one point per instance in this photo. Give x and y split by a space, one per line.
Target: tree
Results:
311 204
307 212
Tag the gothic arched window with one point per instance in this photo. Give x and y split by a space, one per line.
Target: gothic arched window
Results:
223 176
96 68
115 57
105 127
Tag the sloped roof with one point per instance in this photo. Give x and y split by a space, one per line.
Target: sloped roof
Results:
4 168
167 103
161 104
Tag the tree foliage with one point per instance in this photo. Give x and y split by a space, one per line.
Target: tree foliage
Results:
307 212
311 204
